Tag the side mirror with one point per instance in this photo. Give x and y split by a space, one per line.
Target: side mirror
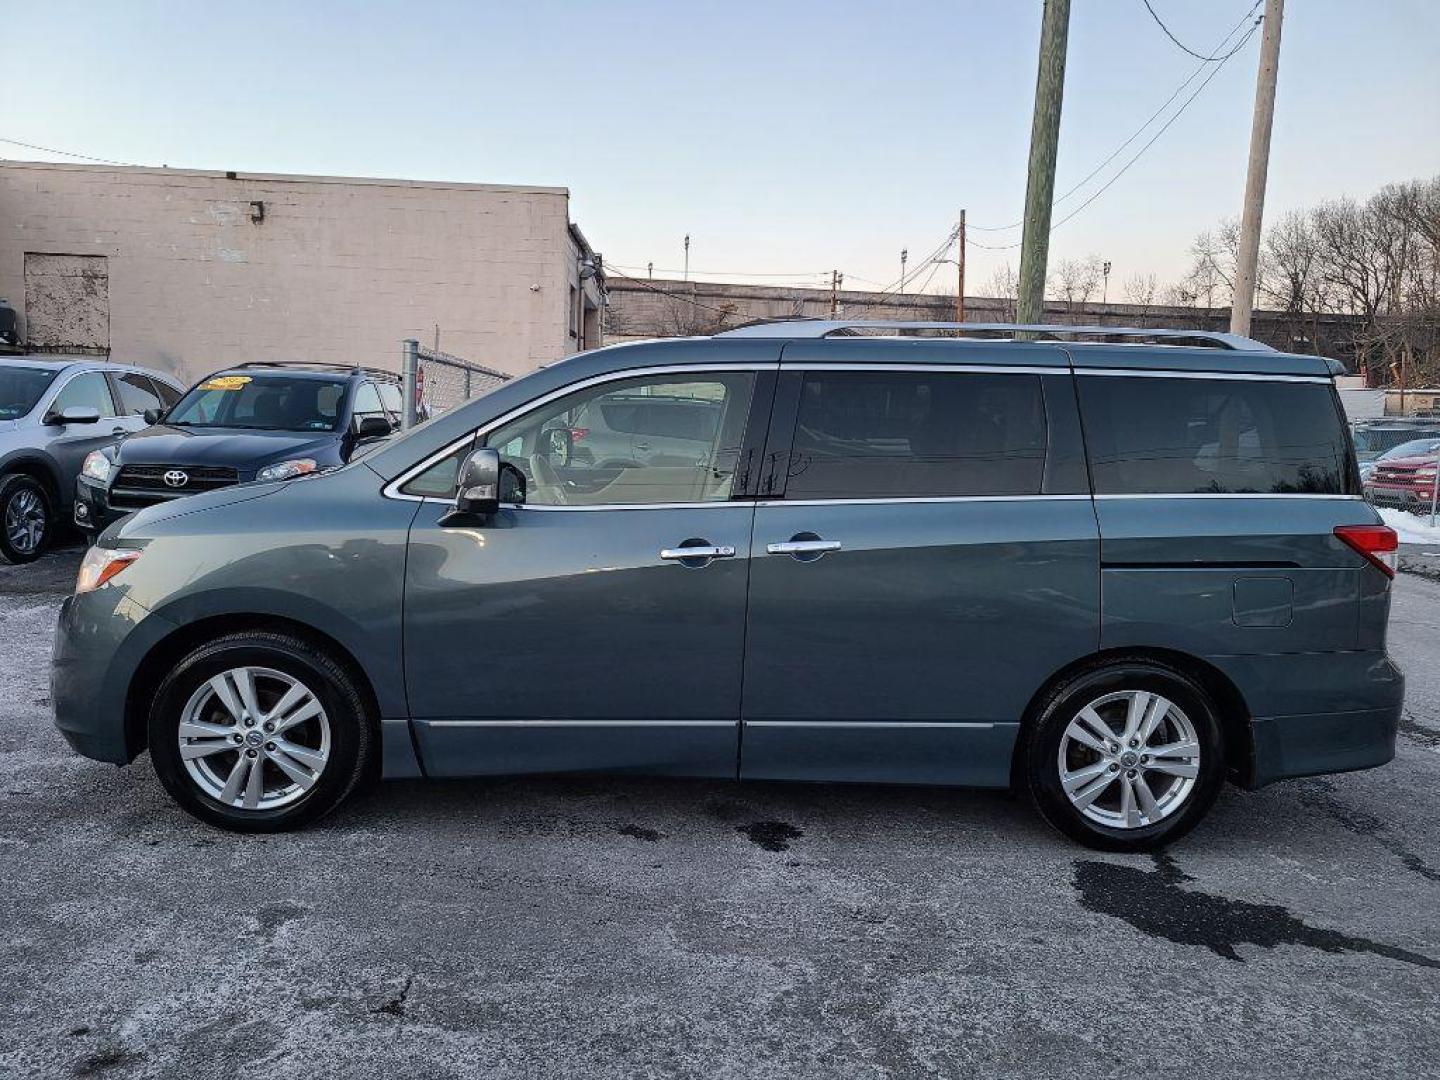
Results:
558 445
485 482
372 427
75 414
152 416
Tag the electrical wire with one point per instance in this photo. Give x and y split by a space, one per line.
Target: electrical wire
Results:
1183 47
728 312
65 153
1137 132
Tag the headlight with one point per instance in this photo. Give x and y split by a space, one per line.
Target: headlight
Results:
98 466
287 470
102 564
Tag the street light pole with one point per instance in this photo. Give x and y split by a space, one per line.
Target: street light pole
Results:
904 254
687 256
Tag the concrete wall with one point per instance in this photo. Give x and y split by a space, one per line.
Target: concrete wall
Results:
667 308
337 270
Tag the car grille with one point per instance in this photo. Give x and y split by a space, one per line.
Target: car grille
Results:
1394 474
144 485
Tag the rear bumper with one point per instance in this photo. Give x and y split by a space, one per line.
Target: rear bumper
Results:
1312 743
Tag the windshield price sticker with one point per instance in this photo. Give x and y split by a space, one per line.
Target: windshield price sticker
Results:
226 382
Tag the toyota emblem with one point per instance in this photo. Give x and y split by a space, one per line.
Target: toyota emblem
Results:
177 478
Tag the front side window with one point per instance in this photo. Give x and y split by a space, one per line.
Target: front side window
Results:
1158 436
367 402
88 391
877 434
658 439
265 402
21 388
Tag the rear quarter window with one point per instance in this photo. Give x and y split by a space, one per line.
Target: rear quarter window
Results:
1162 436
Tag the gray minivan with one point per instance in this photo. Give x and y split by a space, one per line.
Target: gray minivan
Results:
1108 567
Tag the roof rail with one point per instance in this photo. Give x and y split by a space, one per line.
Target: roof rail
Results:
823 328
314 365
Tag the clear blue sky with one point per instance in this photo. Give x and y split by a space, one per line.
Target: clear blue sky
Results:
784 136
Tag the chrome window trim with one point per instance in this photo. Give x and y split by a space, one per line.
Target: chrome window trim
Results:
1223 376
1233 495
943 368
392 489
922 499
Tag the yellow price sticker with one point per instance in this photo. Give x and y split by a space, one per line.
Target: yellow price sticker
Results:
226 382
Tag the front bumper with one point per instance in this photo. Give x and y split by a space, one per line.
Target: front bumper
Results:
93 512
100 641
1402 495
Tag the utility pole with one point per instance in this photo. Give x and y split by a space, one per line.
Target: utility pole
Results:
1105 293
904 254
1242 304
650 270
960 272
835 279
1044 136
687 257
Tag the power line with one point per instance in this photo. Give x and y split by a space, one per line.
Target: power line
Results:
66 153
731 273
1138 131
1185 48
730 312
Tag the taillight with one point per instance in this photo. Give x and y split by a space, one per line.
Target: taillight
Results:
1378 543
578 433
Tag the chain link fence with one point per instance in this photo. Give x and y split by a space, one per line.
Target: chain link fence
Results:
436 382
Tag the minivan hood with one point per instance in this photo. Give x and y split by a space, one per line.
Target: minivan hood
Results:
243 448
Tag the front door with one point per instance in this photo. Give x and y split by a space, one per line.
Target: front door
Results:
931 561
69 444
575 633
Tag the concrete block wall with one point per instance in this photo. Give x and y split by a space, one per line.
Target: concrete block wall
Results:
337 270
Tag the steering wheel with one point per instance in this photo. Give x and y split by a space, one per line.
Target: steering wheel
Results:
547 478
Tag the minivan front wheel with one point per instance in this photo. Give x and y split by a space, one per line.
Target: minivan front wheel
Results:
259 732
1126 757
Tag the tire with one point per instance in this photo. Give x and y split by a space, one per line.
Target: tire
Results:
206 694
1178 786
27 518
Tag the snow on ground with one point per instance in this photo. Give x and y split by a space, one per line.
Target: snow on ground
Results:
1413 528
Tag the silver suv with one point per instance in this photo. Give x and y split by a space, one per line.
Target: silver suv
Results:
53 412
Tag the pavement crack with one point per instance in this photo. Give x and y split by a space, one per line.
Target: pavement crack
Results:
395 1006
1319 794
1156 903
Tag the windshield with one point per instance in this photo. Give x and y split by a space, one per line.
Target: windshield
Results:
1376 440
265 402
1413 448
20 389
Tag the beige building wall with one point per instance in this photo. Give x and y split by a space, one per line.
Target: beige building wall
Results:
205 269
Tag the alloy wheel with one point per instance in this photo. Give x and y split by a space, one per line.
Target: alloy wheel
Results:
254 738
25 521
1129 759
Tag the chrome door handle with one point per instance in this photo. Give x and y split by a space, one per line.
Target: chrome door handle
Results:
714 551
803 547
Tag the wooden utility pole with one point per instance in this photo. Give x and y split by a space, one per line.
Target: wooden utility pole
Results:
1044 136
960 273
1247 259
834 292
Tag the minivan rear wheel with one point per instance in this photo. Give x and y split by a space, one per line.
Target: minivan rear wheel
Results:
259 732
1125 757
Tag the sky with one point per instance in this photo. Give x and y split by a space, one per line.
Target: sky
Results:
786 138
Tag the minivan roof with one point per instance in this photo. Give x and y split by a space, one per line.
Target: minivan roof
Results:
1138 348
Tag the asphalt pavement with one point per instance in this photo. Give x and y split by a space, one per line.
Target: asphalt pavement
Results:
641 928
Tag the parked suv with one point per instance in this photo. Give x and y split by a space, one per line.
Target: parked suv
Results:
255 421
53 412
1405 475
1109 574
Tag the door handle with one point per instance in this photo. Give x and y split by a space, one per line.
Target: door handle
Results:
117 431
697 553
803 547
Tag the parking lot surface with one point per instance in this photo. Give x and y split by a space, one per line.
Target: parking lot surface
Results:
627 927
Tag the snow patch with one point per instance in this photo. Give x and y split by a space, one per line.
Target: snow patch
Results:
1413 528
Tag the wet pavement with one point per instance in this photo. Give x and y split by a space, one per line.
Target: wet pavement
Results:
627 927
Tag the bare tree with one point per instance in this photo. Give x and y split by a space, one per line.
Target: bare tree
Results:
1004 285
1140 290
1076 280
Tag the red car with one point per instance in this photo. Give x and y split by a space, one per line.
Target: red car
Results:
1404 476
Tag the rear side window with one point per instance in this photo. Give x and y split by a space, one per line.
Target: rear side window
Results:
136 393
168 394
875 434
1159 436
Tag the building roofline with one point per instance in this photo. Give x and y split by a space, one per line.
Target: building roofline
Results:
282 178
